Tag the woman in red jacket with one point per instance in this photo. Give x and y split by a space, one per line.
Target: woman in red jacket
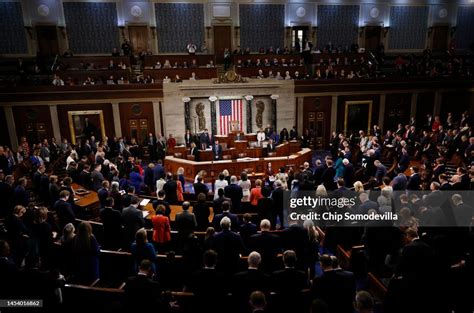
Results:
161 229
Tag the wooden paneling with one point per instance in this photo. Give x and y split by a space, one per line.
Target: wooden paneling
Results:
319 110
372 37
397 110
454 102
63 117
440 37
222 40
138 38
341 109
4 138
137 112
34 122
47 37
424 105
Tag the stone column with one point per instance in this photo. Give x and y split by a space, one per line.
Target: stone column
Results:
117 123
213 100
53 111
11 127
156 116
249 113
334 115
382 110
187 114
274 112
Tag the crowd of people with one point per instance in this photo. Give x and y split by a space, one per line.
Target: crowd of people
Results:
39 212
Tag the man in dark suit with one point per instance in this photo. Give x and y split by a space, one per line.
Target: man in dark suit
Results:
268 131
318 172
288 284
199 187
336 288
171 188
217 150
97 177
217 203
366 204
270 146
465 180
416 257
399 182
132 219
150 142
414 181
226 213
247 229
141 291
6 192
85 177
268 245
293 133
20 195
380 172
404 161
328 176
235 193
112 222
295 238
246 282
228 246
161 200
444 183
103 193
463 213
64 210
348 173
185 221
209 286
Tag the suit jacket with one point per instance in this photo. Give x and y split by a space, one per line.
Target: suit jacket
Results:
271 147
103 194
248 281
328 178
137 289
217 152
185 223
210 288
288 284
161 228
217 204
337 289
380 172
156 203
112 221
268 245
228 246
97 179
233 219
414 182
171 188
65 213
399 182
132 221
158 172
20 196
235 193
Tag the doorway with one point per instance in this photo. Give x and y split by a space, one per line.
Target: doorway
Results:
47 37
439 34
138 129
222 40
372 37
138 36
299 36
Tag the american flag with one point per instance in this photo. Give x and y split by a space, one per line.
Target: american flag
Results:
229 110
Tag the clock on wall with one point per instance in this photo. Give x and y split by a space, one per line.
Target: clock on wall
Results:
374 12
300 12
43 10
443 13
136 11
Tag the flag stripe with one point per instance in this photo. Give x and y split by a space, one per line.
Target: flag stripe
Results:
230 110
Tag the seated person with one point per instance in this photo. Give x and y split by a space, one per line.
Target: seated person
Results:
57 81
271 146
193 76
177 79
166 79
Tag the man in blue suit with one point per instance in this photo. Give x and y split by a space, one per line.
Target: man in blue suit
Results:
158 171
217 150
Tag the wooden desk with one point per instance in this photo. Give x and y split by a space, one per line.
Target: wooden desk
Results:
241 144
251 137
213 168
179 149
205 155
89 200
254 152
295 146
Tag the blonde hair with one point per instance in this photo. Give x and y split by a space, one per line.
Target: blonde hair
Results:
358 186
180 171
